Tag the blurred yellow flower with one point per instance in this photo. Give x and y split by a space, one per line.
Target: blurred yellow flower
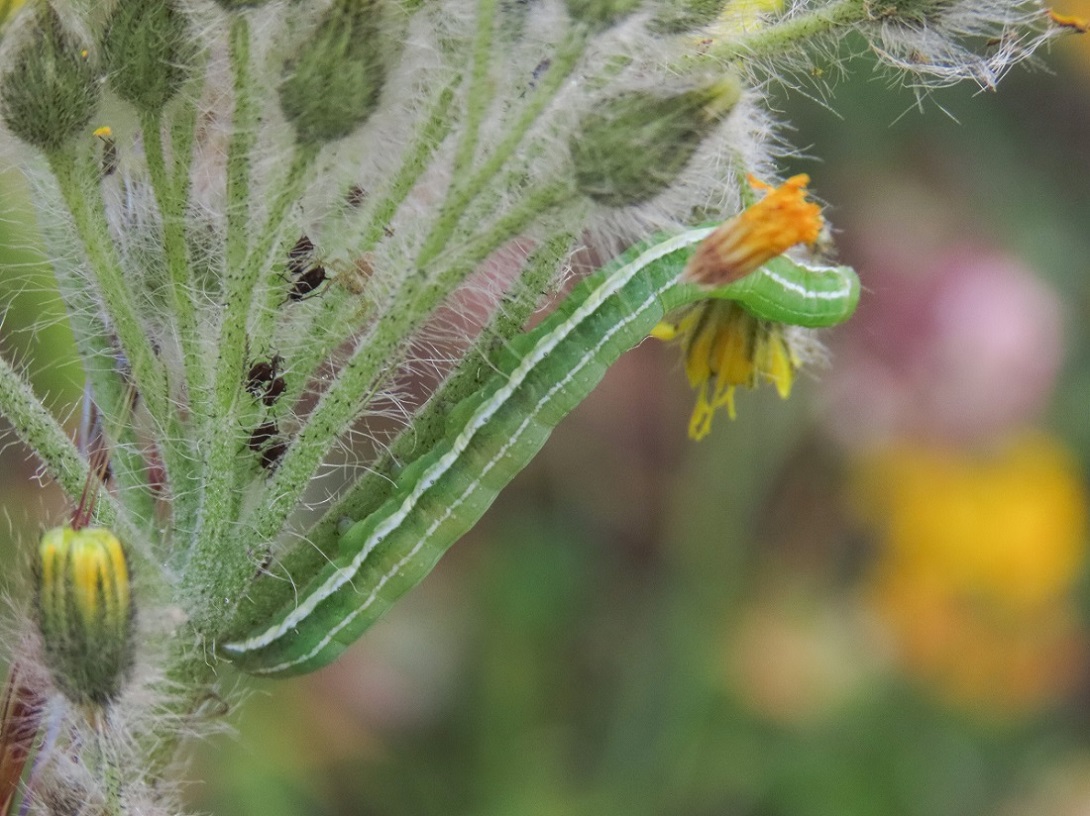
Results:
1071 17
979 556
8 8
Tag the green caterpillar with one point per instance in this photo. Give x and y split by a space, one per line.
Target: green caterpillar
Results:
495 433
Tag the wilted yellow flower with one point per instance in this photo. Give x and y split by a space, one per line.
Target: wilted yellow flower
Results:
85 612
725 346
979 557
759 233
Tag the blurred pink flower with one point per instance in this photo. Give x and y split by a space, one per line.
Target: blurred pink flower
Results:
958 348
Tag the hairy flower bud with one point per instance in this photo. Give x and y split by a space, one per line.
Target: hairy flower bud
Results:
334 83
634 146
600 13
148 51
49 93
680 16
85 612
232 5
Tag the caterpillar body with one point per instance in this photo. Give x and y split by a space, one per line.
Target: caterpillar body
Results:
543 375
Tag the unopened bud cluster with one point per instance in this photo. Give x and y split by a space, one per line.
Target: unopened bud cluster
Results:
50 88
333 83
148 51
634 146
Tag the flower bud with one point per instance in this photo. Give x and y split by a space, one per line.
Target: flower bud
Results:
634 146
148 51
600 14
85 612
334 83
234 5
49 93
681 16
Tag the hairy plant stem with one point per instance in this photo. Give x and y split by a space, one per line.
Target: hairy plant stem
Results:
219 500
480 88
172 212
783 36
240 148
78 182
99 356
435 128
462 194
39 431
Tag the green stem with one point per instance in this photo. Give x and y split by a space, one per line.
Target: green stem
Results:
480 89
781 37
431 135
78 187
183 132
240 148
78 183
219 500
263 311
37 428
460 195
215 567
99 356
172 211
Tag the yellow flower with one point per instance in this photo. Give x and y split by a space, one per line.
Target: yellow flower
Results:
980 556
759 233
1010 526
724 347
7 9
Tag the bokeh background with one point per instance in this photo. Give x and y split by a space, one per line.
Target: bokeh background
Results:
870 599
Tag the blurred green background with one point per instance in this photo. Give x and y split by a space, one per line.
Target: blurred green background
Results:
869 599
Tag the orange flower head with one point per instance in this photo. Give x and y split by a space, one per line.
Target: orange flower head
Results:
1069 22
759 233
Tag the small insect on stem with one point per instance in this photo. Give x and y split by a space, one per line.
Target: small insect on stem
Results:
262 434
273 453
262 373
307 283
273 391
266 442
356 196
263 380
300 255
307 275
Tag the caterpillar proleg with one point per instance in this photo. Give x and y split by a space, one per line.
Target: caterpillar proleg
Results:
495 433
